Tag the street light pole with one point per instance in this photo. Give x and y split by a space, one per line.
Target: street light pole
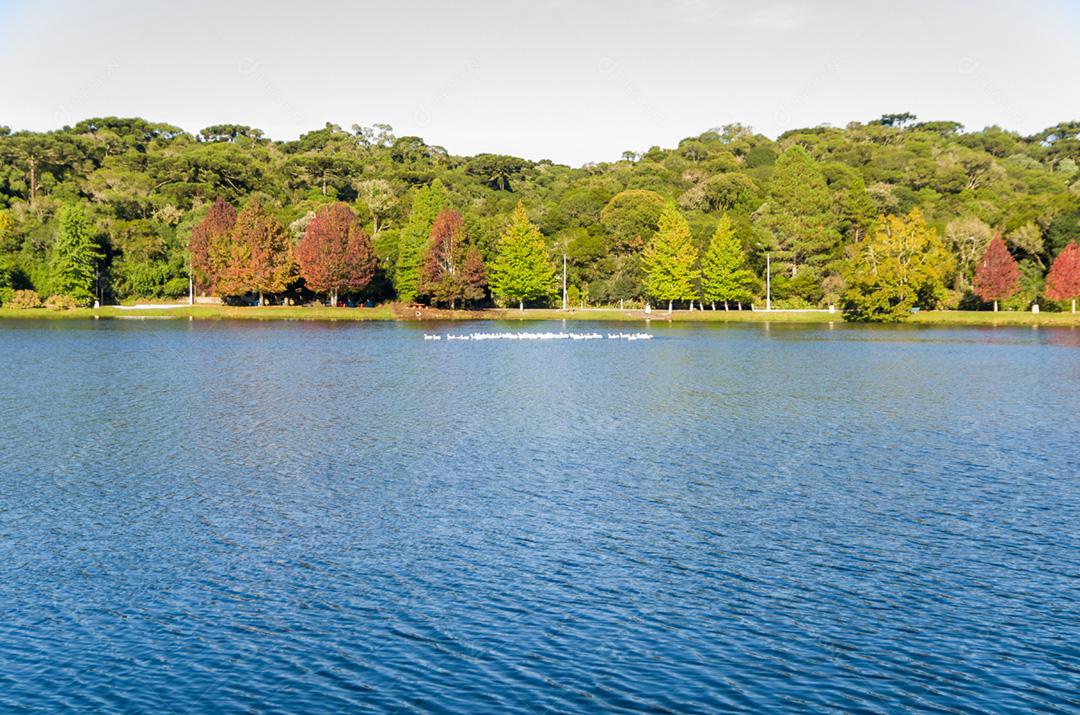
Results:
768 281
564 281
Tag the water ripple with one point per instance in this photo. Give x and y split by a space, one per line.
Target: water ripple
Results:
305 517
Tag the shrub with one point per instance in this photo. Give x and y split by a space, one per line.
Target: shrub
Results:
23 299
61 302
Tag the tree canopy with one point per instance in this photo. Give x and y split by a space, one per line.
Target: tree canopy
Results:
811 197
901 267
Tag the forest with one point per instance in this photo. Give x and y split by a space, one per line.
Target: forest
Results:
879 218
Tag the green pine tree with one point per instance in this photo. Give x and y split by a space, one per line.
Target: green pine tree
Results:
724 276
798 213
669 259
73 265
427 204
522 270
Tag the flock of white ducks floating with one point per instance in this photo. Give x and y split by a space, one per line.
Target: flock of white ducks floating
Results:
541 336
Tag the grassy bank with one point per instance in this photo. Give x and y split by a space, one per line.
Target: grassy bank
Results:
392 311
208 312
987 317
400 312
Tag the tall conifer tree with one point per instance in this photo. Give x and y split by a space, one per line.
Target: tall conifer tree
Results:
669 260
724 276
75 256
798 212
428 202
523 270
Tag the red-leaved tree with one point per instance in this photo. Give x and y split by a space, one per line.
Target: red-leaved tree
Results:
442 268
475 276
336 254
219 221
997 276
1063 281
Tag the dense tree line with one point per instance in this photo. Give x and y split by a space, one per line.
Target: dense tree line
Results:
880 217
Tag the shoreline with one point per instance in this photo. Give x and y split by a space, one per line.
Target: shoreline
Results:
402 313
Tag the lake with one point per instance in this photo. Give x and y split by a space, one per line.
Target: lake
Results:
314 517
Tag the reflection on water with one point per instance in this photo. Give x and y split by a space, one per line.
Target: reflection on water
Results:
325 516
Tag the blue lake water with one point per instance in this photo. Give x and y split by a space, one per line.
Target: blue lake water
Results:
304 517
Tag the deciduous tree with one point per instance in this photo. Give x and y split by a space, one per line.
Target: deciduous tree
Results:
967 238
1063 281
218 222
442 273
997 276
255 257
378 196
669 259
903 265
631 218
335 253
475 275
523 271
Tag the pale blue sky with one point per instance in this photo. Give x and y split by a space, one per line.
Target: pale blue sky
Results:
571 81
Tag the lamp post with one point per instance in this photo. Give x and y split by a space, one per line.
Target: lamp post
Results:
564 281
768 277
768 281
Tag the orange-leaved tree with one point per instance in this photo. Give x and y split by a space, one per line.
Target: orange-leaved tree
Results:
256 256
218 222
442 271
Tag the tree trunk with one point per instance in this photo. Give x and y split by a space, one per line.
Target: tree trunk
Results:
521 305
726 306
995 306
669 306
260 299
1074 305
714 305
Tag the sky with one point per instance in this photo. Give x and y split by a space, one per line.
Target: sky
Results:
569 81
